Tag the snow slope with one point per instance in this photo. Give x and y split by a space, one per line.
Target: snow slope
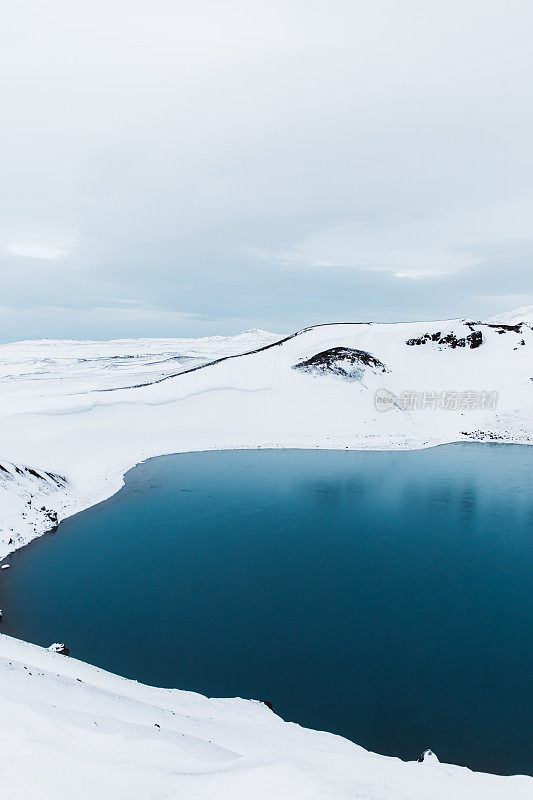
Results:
69 729
74 422
523 314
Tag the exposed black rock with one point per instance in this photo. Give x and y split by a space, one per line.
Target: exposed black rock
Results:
501 328
268 704
59 479
5 474
502 436
52 517
426 754
346 362
35 474
426 337
473 340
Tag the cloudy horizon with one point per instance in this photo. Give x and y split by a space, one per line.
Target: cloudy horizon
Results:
175 169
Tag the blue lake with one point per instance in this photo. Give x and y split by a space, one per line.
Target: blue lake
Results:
385 596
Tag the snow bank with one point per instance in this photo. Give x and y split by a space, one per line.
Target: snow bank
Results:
69 729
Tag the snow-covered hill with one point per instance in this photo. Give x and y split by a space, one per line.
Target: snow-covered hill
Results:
69 729
523 314
88 412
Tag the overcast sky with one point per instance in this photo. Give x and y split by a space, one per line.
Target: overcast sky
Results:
187 168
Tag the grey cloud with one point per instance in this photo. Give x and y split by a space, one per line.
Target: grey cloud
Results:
161 149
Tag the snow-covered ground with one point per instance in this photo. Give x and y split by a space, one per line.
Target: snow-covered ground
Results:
74 417
69 729
59 366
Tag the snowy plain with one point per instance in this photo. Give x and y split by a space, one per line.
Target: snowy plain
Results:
75 416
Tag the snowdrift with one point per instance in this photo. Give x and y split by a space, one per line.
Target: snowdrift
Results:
69 729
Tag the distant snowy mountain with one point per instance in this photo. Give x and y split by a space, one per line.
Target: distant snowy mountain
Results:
523 314
113 363
88 411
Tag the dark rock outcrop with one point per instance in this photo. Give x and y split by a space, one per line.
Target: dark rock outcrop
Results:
345 362
427 755
472 340
501 328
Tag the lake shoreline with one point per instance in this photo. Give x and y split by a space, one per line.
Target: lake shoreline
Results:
212 469
79 501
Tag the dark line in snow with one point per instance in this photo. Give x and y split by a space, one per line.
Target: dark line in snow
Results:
227 358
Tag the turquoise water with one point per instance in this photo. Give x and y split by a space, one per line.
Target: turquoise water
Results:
387 597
